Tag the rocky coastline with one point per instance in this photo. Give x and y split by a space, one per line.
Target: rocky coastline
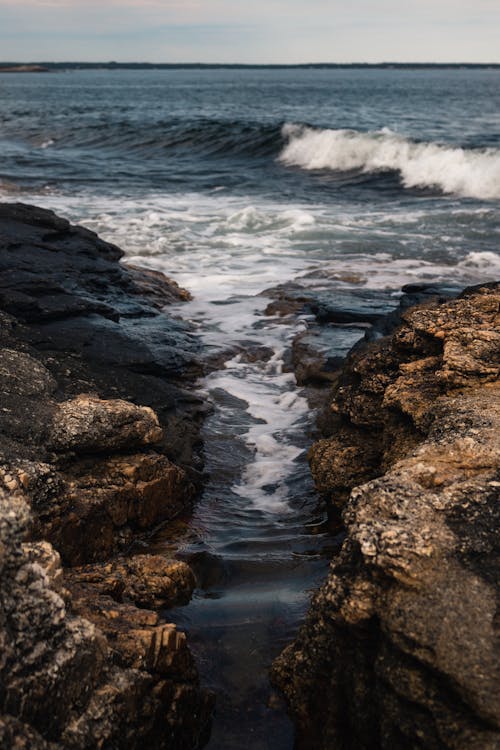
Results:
99 445
400 647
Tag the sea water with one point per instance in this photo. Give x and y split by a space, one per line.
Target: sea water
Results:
233 182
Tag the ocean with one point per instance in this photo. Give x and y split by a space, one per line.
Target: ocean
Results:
234 182
393 172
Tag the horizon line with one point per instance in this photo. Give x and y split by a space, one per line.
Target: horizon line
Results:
382 63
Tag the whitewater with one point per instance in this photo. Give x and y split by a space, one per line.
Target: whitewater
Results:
473 173
238 184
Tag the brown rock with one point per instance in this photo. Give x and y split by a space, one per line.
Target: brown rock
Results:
310 363
101 503
124 680
157 287
400 648
138 638
88 424
15 735
337 465
145 580
44 652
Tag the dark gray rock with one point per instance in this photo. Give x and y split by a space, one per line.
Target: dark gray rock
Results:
86 349
97 325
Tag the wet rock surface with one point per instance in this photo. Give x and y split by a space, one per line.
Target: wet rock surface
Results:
400 648
338 318
98 446
95 325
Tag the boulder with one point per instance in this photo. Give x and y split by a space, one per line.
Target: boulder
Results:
146 580
88 424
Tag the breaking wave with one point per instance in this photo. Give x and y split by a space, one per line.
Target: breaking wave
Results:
473 173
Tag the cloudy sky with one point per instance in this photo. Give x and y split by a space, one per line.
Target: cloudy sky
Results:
247 31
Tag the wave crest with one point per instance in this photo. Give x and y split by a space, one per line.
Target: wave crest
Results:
201 135
473 173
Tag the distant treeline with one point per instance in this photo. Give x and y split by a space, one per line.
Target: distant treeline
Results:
238 66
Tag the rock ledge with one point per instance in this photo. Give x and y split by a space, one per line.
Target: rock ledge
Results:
400 648
99 445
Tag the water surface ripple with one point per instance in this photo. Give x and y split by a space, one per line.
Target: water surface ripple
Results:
353 182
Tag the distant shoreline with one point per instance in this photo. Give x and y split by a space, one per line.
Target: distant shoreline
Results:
43 67
23 68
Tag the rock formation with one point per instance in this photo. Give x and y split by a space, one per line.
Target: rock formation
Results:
98 446
400 647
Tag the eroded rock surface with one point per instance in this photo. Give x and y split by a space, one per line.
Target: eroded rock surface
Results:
85 675
400 648
96 327
145 580
92 425
98 446
108 502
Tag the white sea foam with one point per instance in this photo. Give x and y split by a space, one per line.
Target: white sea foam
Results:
472 173
226 250
279 412
205 243
252 220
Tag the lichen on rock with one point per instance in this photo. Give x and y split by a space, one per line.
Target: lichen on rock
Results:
400 647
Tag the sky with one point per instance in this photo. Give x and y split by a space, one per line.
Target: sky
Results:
250 31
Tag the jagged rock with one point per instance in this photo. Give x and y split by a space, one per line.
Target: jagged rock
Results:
88 508
78 669
151 285
337 307
145 580
337 465
311 362
96 506
96 326
400 648
137 636
44 555
92 425
15 735
47 657
126 680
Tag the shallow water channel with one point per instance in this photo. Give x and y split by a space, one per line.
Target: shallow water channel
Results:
257 539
